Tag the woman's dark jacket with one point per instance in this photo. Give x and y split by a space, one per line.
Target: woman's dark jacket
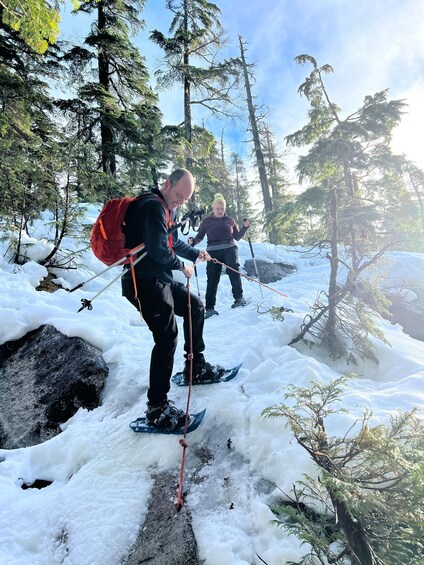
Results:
221 232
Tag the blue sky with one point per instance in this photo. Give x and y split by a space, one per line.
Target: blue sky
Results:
370 45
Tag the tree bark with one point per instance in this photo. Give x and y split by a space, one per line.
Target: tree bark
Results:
257 145
106 131
358 543
188 133
334 266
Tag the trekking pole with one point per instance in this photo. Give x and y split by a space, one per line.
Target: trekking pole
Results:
87 303
116 264
197 280
255 265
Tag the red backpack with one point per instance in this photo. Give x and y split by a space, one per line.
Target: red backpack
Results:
107 238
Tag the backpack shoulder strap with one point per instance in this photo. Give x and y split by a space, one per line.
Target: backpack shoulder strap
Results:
168 214
153 196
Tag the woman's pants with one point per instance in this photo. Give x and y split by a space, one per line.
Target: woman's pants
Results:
229 257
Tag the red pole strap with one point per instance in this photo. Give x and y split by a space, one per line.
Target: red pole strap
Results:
183 442
248 278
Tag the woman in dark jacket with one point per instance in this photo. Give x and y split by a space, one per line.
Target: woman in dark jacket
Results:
221 231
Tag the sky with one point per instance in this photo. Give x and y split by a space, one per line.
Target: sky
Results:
372 46
102 472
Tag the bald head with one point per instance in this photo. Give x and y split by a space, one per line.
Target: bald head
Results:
178 188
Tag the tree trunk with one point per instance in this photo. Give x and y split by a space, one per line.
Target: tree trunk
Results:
350 187
188 134
64 226
237 195
330 327
354 532
358 543
17 259
106 131
257 145
419 198
271 166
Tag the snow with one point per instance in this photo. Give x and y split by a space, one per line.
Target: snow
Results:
101 471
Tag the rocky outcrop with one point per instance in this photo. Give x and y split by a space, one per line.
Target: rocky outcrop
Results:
412 321
166 535
45 377
268 272
404 308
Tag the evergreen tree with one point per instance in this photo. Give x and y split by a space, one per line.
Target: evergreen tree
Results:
28 137
208 166
349 162
241 201
298 219
196 35
254 120
369 485
276 169
117 112
278 182
203 148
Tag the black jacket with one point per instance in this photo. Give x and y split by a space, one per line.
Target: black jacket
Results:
145 222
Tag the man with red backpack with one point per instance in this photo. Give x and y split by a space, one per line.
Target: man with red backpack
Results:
152 290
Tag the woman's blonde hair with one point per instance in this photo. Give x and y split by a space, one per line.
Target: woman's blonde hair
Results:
219 198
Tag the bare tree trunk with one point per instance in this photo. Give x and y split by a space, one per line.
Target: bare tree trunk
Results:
222 148
59 235
357 539
257 145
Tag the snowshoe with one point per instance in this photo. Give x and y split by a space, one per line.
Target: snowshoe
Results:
140 425
218 375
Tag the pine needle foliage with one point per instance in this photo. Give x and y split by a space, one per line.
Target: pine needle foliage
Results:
355 206
369 490
191 59
354 326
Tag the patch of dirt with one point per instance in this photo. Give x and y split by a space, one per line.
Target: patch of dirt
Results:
47 284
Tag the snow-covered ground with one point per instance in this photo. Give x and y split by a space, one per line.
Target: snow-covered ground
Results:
101 471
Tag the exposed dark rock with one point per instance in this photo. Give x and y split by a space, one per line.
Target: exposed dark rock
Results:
45 377
166 535
38 483
411 320
409 315
268 272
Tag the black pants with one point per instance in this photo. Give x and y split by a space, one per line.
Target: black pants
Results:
160 303
213 271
